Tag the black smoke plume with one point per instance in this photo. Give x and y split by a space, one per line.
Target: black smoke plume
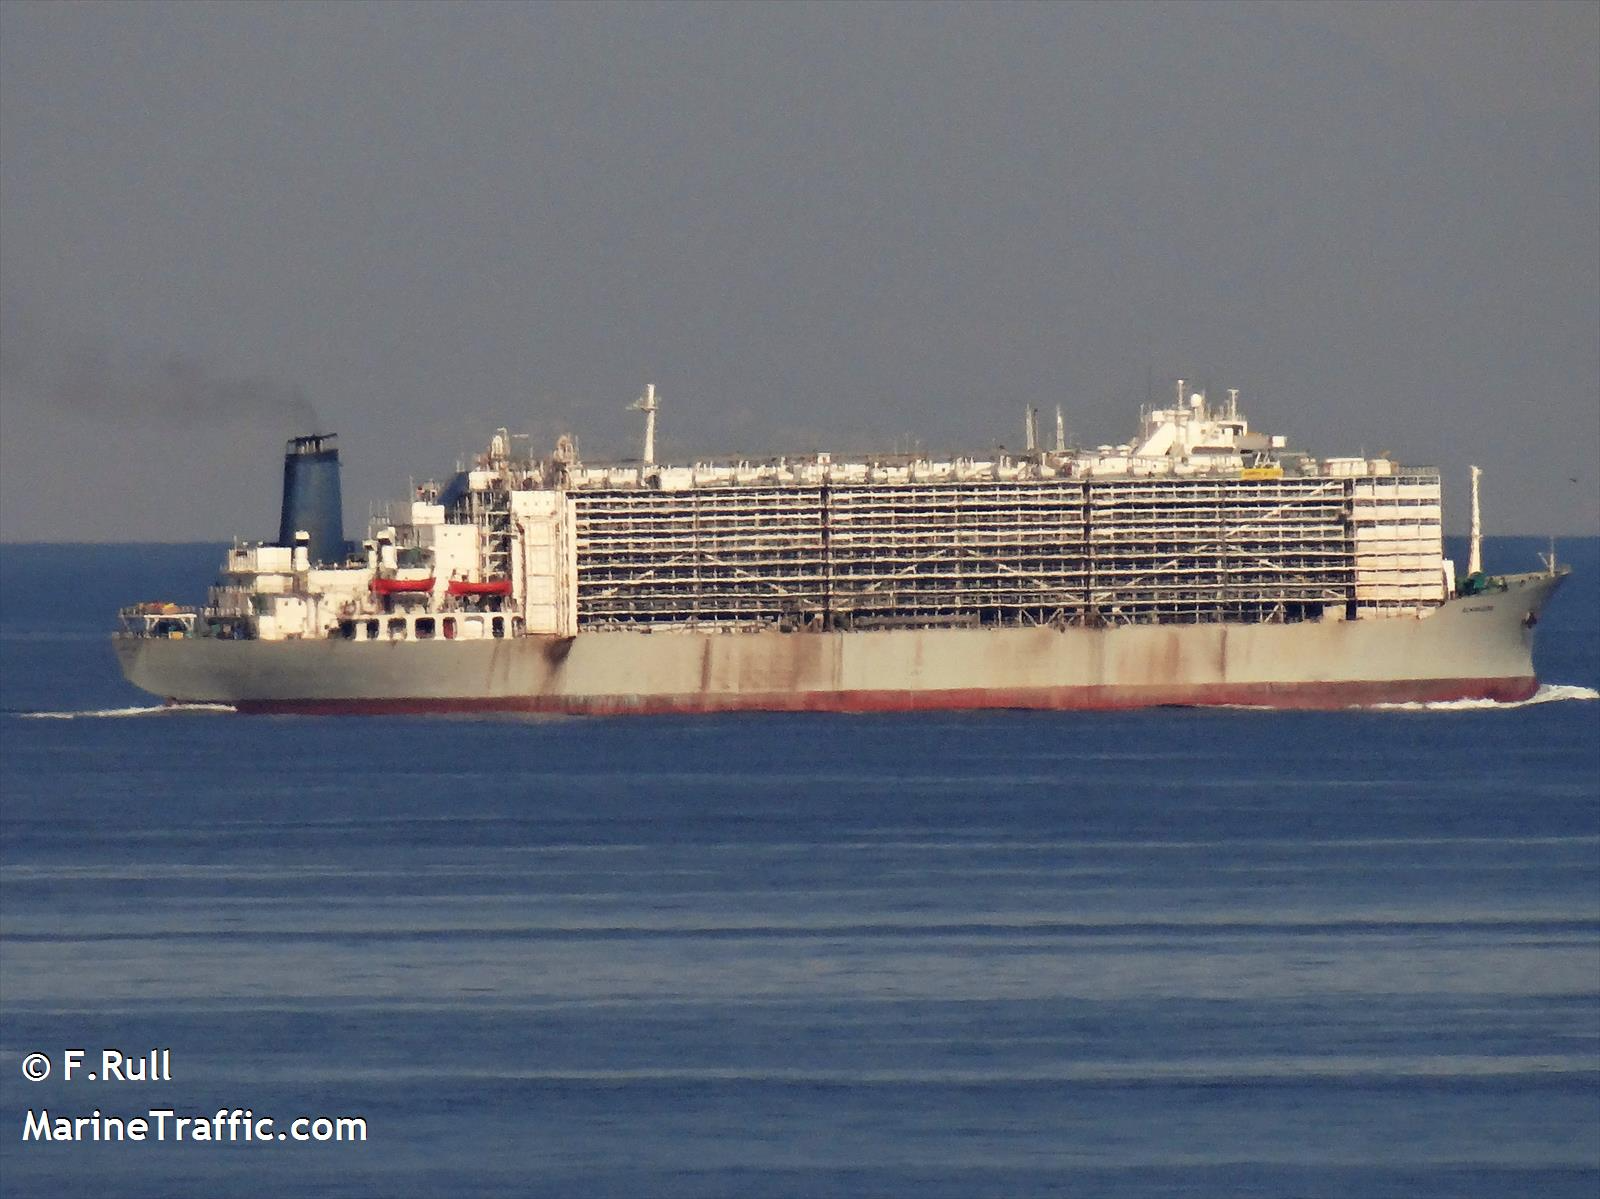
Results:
167 389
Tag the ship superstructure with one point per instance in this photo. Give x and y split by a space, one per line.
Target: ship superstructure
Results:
787 568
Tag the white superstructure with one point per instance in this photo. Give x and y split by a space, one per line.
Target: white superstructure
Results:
1197 519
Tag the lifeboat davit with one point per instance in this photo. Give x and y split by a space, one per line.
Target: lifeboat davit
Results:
400 586
487 587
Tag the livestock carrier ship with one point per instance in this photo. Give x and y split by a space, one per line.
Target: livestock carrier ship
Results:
1198 563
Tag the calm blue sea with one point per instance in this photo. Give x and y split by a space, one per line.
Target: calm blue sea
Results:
1229 953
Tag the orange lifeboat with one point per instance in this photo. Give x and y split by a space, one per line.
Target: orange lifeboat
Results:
400 586
487 587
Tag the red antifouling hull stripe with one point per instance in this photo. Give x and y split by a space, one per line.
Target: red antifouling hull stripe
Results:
1267 695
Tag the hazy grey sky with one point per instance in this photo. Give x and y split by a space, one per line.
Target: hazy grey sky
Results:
810 226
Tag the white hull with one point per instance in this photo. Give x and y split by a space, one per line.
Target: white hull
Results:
1475 646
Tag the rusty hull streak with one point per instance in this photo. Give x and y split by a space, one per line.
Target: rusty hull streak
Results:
1472 649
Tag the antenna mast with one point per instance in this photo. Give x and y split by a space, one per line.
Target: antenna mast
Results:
647 405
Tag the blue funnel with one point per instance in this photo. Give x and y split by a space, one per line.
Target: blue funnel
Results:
311 499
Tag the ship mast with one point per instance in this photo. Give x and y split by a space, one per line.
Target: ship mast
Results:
1475 543
647 405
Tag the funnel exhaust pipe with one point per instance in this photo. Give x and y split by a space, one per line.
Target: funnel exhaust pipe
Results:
311 498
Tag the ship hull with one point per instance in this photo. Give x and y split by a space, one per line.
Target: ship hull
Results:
1472 647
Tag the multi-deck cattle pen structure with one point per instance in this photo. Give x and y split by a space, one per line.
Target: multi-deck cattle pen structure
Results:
1018 551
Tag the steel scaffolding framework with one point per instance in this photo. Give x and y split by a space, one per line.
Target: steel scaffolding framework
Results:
1033 551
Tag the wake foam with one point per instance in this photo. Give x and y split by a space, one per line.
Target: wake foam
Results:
108 713
1548 693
